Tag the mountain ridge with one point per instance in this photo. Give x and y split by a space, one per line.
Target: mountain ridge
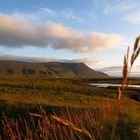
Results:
49 69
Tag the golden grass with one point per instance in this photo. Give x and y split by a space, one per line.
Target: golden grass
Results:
29 99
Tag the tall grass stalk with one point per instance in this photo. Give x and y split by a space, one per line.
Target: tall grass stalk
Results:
127 67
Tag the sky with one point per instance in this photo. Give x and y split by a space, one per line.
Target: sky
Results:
96 32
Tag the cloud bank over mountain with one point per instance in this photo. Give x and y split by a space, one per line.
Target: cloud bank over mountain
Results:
87 61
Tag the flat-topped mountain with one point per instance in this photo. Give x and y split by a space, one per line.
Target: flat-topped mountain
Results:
53 69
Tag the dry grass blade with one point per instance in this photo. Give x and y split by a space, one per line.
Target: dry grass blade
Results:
128 50
137 53
72 126
136 50
136 43
132 59
68 124
125 68
34 114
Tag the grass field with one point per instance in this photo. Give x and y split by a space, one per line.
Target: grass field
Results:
73 100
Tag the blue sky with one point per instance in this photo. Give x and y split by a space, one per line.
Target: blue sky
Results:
96 32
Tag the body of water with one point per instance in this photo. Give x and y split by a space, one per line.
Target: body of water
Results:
112 85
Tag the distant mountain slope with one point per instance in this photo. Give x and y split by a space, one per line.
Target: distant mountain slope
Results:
53 69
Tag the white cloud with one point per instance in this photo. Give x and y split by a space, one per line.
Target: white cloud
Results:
43 14
133 17
48 11
19 33
87 61
123 6
26 58
128 10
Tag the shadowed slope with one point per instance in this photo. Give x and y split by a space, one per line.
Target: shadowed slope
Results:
53 69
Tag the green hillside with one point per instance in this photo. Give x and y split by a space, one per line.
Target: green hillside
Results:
49 69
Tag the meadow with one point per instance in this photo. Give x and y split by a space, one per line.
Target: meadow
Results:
76 104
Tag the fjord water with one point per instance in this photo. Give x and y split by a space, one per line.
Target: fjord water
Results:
112 85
